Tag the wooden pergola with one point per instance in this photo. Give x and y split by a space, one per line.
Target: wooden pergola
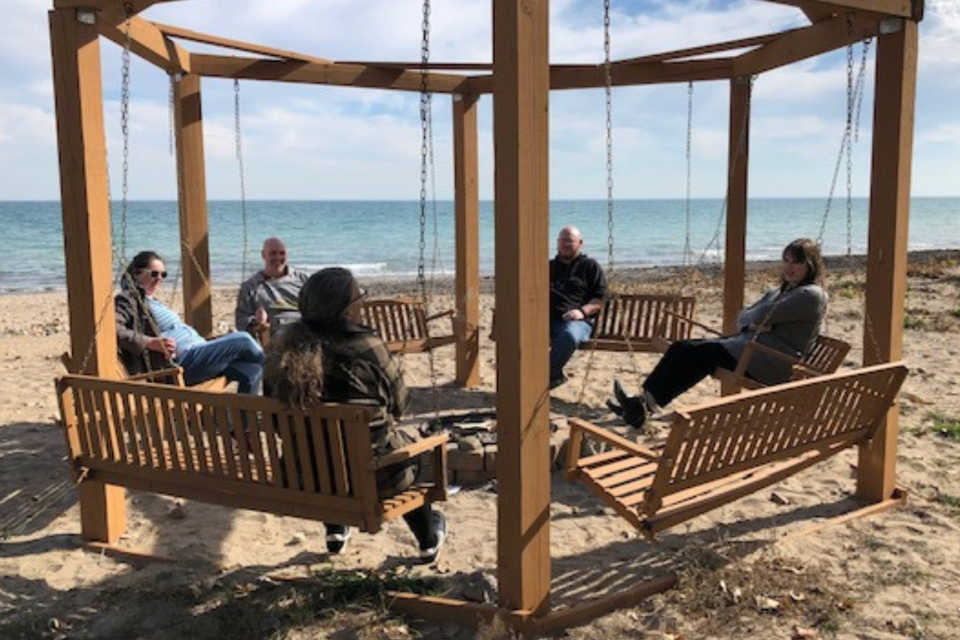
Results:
520 79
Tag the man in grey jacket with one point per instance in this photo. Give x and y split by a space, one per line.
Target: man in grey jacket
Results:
268 299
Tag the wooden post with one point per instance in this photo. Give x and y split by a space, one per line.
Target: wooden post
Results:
520 103
734 264
194 228
78 96
896 80
467 205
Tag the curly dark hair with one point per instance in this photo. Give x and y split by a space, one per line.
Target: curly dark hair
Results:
294 368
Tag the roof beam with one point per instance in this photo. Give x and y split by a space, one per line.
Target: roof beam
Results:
729 45
145 40
809 42
203 38
99 5
592 76
336 74
901 8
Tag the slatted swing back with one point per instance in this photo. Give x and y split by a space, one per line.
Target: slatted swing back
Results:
634 321
404 325
241 451
722 450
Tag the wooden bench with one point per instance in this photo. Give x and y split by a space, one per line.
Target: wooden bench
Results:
314 463
403 324
731 447
636 321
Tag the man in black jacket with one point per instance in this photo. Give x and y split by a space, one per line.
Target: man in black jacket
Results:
577 288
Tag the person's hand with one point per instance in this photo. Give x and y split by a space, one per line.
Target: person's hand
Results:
574 314
261 317
166 346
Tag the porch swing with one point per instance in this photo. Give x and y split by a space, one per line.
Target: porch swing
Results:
827 353
722 450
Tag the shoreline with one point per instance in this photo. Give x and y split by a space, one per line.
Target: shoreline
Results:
657 274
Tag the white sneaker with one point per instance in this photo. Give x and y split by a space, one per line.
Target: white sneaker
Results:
430 554
337 542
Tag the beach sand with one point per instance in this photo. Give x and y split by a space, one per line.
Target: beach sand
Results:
751 569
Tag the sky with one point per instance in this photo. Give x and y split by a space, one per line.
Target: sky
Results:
303 142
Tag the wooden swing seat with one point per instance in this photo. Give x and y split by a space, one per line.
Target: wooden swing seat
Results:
403 324
730 447
636 321
313 463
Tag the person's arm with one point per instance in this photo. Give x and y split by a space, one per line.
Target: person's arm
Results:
129 337
805 303
245 315
393 391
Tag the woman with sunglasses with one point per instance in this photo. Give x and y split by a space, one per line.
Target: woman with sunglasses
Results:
328 355
151 336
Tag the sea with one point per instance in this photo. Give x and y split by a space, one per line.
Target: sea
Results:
391 239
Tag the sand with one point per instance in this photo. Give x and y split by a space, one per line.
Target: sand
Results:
752 569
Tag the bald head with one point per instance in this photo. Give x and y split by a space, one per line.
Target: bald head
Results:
569 242
274 255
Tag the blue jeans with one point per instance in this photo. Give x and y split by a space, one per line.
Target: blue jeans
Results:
565 337
235 355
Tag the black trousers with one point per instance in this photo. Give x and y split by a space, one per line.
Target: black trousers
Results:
686 363
420 521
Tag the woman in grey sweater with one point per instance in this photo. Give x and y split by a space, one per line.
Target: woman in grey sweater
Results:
787 318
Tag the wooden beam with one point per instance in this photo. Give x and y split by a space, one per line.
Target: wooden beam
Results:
520 104
346 75
194 225
81 141
467 211
738 170
98 5
624 74
893 117
729 45
806 43
196 36
146 41
898 8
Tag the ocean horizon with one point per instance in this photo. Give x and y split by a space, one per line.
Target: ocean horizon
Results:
381 239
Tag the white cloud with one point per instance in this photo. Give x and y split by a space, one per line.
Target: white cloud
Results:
320 142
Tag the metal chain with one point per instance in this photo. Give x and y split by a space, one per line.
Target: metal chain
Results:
172 117
686 244
608 95
426 139
851 101
237 132
125 130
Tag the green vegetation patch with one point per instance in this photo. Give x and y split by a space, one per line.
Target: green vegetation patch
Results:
944 425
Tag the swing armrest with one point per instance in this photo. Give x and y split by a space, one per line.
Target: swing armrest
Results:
442 314
756 347
409 451
175 374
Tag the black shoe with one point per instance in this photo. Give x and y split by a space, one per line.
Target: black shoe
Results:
429 553
556 382
632 409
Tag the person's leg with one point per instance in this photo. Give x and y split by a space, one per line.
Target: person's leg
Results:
429 527
565 337
685 363
235 355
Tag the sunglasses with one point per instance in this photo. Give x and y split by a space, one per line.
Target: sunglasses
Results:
156 274
361 294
